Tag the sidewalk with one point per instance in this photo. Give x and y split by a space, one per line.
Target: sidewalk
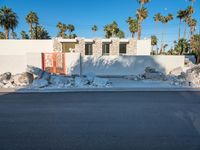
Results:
118 85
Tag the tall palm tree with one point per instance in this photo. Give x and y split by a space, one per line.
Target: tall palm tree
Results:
8 20
133 26
181 14
31 19
157 18
192 24
63 28
165 20
188 14
141 14
71 28
94 28
154 42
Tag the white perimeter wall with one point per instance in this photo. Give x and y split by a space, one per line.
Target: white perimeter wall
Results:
122 65
21 47
15 55
143 47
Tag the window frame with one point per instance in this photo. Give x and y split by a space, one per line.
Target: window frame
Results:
121 52
89 50
105 51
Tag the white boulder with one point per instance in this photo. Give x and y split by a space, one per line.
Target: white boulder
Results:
23 79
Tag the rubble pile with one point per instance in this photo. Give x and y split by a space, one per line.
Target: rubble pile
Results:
35 78
178 77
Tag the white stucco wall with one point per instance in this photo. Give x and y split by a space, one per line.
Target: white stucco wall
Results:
125 65
143 47
21 47
102 66
12 63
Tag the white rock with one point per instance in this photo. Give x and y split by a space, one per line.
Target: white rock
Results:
35 71
81 82
23 79
176 71
1 85
100 82
39 83
5 76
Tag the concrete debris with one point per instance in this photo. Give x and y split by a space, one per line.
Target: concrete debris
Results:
37 78
176 71
39 83
5 76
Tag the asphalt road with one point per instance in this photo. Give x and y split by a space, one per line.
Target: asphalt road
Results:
100 121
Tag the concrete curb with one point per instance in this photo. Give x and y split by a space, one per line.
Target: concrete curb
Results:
75 90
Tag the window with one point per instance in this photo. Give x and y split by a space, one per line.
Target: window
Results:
106 49
88 49
67 47
122 48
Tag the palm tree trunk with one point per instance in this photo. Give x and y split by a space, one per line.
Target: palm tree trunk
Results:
139 31
36 31
133 35
185 30
31 30
6 33
179 30
162 42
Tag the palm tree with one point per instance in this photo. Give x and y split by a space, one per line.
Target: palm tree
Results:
8 20
120 34
31 19
40 32
181 14
114 28
157 18
2 35
24 35
63 28
165 20
142 2
141 14
111 29
133 26
192 24
94 28
71 28
189 11
154 42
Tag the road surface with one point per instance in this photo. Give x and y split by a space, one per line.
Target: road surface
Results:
100 121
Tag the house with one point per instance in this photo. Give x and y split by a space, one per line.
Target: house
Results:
103 47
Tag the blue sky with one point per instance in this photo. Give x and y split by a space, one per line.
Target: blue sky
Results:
84 13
